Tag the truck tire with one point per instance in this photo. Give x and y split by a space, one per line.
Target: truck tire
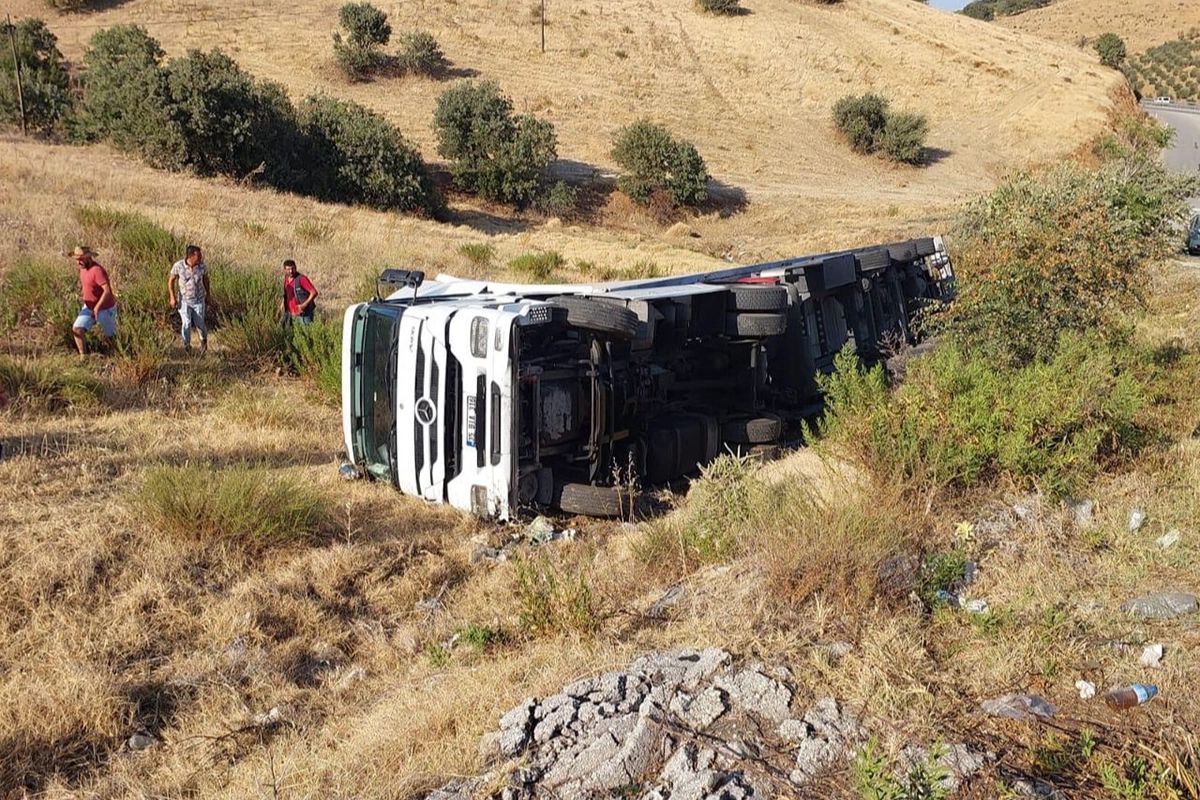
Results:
598 316
756 297
749 325
594 501
752 430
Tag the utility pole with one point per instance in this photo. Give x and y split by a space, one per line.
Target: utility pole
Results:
543 26
12 43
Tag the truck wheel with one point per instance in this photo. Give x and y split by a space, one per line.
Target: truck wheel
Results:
594 501
596 315
753 325
752 430
756 297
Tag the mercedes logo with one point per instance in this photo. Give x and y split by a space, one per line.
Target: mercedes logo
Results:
426 411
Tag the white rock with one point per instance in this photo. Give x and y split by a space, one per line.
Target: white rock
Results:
1168 539
1087 689
1137 519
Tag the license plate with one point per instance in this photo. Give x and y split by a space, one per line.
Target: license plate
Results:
470 420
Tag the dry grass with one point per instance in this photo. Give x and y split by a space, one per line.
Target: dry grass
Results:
1071 22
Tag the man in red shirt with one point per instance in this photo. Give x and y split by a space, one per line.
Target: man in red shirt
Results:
299 295
99 299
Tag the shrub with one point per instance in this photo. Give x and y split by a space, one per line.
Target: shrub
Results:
653 160
727 7
355 155
242 504
38 293
420 54
491 152
229 123
365 24
1111 49
537 266
480 254
367 29
560 200
125 98
868 126
903 138
962 420
247 309
555 598
1065 251
42 385
44 80
315 352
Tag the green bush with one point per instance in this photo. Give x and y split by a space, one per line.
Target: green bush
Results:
1111 49
125 99
229 123
420 54
315 352
242 504
367 30
41 385
555 598
500 156
727 7
44 83
903 138
1065 251
653 161
365 24
355 155
868 127
560 200
537 266
479 254
962 420
861 120
39 293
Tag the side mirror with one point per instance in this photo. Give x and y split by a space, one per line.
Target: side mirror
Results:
399 277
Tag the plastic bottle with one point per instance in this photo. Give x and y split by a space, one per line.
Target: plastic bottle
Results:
1129 696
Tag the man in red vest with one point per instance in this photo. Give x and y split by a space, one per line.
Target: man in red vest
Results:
299 295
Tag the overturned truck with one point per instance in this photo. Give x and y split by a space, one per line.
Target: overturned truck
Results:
498 398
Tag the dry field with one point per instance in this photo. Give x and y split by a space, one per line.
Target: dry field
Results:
115 622
1142 24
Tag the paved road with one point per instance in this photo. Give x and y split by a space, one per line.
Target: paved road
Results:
1184 156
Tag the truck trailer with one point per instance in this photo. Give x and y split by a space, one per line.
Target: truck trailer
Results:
502 398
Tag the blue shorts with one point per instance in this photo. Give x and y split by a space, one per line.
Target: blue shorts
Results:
108 320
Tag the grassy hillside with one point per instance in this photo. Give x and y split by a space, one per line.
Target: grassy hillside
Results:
754 92
1141 25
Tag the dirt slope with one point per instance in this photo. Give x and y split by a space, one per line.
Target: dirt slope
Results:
1141 24
753 93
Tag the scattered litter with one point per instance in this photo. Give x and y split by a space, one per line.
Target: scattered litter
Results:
658 610
432 603
485 553
1018 706
1087 689
141 741
952 600
1167 539
270 719
976 606
1082 511
1136 520
970 572
539 530
1164 605
1152 656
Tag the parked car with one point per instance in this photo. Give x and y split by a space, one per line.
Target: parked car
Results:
1193 238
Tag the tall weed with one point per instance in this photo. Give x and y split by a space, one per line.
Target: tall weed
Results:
39 293
45 385
246 504
555 597
315 352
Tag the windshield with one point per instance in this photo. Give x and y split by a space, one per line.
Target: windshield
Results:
377 387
